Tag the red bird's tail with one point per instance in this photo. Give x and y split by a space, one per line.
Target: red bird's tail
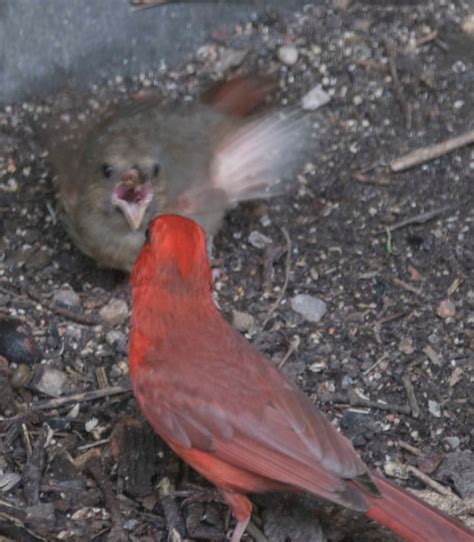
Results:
411 518
239 96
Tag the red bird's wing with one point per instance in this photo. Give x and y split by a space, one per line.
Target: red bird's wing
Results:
245 414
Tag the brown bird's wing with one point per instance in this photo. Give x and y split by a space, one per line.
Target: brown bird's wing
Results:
250 159
245 414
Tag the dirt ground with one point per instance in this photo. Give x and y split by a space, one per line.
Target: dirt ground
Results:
391 360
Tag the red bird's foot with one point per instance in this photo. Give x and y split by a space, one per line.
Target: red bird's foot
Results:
242 510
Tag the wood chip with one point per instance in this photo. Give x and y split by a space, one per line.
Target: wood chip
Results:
432 355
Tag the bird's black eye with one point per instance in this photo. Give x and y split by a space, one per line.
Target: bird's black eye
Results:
106 170
156 170
147 235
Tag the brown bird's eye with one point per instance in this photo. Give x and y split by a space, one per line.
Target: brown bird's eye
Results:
106 170
156 169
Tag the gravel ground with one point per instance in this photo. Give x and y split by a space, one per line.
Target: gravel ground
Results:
384 343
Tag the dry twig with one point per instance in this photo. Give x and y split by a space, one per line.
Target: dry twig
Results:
60 311
117 532
392 317
380 180
79 398
359 402
410 448
256 533
431 36
410 391
417 219
294 344
392 62
408 287
33 471
383 357
419 156
287 277
433 484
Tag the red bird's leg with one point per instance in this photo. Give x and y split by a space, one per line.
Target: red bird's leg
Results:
242 510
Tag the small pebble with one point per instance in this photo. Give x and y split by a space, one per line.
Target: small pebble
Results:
446 309
259 240
406 345
115 312
468 24
434 408
67 297
230 58
74 332
243 321
317 367
346 381
310 307
288 55
453 442
51 382
315 98
21 376
116 338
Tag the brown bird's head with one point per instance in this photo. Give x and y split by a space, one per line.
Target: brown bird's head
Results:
123 163
174 254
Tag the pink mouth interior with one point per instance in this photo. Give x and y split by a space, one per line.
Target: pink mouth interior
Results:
132 195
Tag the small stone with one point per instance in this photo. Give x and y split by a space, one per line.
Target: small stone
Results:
406 345
317 367
67 297
433 355
458 468
313 273
243 321
230 58
315 98
51 382
434 408
415 275
21 376
346 381
288 55
468 24
91 424
115 312
446 309
395 470
117 339
453 442
73 332
259 240
310 307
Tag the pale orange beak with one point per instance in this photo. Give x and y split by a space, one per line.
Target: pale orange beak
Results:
133 200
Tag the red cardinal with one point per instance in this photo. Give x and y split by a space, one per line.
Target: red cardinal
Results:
224 408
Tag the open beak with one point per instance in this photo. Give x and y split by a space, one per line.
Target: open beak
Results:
133 201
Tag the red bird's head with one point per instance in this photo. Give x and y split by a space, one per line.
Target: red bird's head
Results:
174 253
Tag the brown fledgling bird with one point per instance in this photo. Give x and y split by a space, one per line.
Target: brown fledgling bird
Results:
196 159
